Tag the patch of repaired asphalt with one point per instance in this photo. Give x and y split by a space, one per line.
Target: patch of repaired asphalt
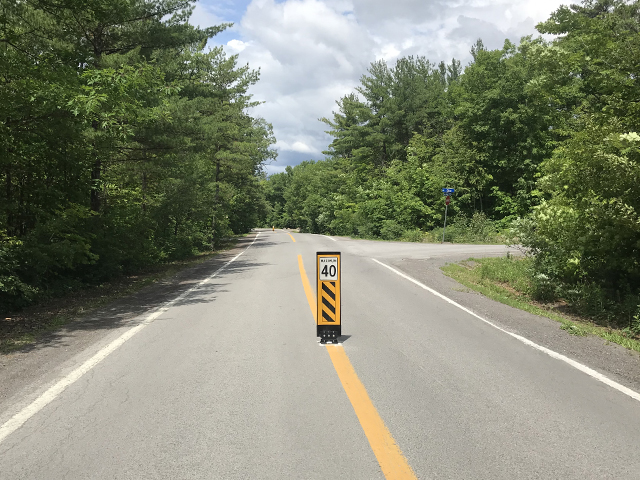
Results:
610 359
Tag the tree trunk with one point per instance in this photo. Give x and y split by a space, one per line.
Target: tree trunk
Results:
96 173
144 192
9 192
214 239
22 226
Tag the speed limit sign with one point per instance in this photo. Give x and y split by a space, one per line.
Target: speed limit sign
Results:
329 325
328 268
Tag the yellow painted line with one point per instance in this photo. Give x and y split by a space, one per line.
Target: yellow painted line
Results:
392 462
294 240
307 288
390 457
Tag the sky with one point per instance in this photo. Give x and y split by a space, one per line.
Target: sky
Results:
311 53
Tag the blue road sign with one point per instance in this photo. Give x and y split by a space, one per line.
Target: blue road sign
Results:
448 191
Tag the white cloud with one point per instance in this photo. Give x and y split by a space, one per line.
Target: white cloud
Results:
236 46
312 52
301 147
204 16
388 53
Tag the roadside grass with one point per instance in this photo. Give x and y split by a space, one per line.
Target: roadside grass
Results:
463 237
477 229
433 236
26 327
507 280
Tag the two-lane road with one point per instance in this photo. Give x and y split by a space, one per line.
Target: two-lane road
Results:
228 382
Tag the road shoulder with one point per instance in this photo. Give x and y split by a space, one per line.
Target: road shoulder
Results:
612 360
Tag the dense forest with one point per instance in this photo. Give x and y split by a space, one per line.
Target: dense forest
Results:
540 140
124 142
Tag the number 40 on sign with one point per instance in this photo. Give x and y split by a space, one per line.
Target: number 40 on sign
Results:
328 268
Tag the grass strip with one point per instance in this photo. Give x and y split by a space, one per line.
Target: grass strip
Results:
505 280
25 328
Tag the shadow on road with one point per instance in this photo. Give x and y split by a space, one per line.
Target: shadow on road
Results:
203 293
263 243
127 311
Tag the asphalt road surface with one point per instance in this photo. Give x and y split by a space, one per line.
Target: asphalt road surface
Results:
228 381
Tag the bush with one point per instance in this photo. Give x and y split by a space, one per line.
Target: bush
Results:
477 229
391 230
587 232
343 224
635 322
414 235
14 293
542 288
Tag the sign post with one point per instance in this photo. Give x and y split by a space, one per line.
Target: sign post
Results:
328 324
447 193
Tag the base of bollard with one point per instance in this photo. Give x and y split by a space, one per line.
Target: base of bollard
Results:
328 332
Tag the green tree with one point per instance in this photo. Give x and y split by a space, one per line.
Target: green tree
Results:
586 231
589 229
123 141
504 127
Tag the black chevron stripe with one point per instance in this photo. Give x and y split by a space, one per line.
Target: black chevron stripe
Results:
328 291
326 316
326 303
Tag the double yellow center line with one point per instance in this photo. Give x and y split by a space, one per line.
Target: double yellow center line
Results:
392 462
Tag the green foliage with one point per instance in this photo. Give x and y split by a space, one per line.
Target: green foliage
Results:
414 128
14 292
513 271
391 230
120 147
634 328
413 235
475 229
374 128
589 229
591 67
503 131
542 137
509 280
518 273
586 233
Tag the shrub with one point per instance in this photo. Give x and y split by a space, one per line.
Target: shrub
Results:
414 235
391 230
635 323
477 229
587 232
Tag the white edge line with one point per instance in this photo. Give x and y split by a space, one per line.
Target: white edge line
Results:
583 368
327 236
20 418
